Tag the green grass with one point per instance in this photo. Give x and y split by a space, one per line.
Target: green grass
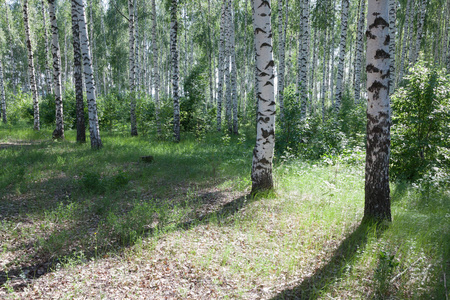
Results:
63 205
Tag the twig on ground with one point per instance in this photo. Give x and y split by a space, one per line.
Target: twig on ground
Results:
404 271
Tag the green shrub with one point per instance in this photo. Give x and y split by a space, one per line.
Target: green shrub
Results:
420 123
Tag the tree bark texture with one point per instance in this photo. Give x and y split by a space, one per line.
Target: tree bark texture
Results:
2 92
404 41
342 46
265 126
31 72
359 50
392 33
377 194
155 68
94 131
175 72
132 66
423 12
221 67
304 57
281 49
233 72
47 69
58 133
77 73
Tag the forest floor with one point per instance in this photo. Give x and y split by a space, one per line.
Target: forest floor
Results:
83 224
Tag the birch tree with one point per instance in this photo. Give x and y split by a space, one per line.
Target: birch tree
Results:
155 69
58 133
31 72
377 194
175 72
47 69
342 46
221 67
423 12
359 50
281 46
392 34
81 129
265 123
2 92
233 72
304 57
94 131
132 66
404 40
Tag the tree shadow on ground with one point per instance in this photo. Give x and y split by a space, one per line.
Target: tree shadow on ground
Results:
311 287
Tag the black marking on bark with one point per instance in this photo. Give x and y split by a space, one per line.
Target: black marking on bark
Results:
263 74
379 21
380 53
372 69
259 30
270 64
386 75
387 40
266 45
369 35
268 83
264 2
375 89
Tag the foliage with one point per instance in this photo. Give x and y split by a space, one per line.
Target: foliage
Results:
314 138
420 123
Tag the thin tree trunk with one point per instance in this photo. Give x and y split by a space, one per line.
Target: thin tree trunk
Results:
342 46
175 72
324 72
31 72
221 67
233 73
423 12
377 193
58 133
94 131
312 85
136 50
304 58
47 69
11 52
359 50
405 38
392 33
411 32
282 57
155 69
265 126
77 73
2 91
228 113
132 65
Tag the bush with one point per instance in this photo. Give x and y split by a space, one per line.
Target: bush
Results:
420 123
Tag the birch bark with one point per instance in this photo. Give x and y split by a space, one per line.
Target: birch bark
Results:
2 91
155 69
404 40
359 50
132 66
77 73
221 67
31 72
342 46
423 12
265 126
94 131
281 47
175 72
58 133
47 69
377 193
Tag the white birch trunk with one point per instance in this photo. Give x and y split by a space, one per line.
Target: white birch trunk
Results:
423 12
411 32
233 73
175 72
281 49
342 46
324 72
47 69
132 66
392 34
404 41
94 131
265 126
304 58
221 68
136 50
58 133
377 194
2 92
359 50
155 69
227 67
31 72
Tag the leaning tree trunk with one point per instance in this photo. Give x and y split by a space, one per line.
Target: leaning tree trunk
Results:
359 50
81 128
58 133
423 13
175 72
2 91
342 46
377 194
132 66
265 125
47 69
31 71
155 69
94 131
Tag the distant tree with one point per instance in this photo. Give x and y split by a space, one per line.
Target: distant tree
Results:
175 72
265 122
2 92
31 72
58 133
342 47
132 65
377 193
